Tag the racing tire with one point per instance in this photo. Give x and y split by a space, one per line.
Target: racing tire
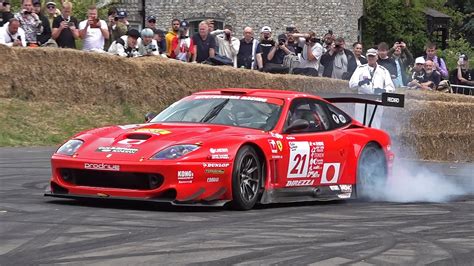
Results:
246 178
371 172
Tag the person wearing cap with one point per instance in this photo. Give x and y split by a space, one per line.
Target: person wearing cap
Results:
418 74
127 45
65 28
182 45
148 46
5 13
173 32
45 36
93 31
204 44
151 22
228 45
30 23
117 25
463 75
159 35
52 12
12 35
338 62
266 44
371 78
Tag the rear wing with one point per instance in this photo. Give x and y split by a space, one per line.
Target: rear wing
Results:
385 99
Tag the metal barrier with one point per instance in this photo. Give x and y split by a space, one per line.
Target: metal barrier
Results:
462 89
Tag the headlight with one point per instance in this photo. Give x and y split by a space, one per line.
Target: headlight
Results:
70 147
174 152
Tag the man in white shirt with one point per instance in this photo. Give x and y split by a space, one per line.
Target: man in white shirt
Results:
371 78
12 35
310 56
228 45
93 31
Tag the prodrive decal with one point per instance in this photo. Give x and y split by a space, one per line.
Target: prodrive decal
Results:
102 166
117 150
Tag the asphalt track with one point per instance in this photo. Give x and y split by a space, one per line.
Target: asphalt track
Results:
38 230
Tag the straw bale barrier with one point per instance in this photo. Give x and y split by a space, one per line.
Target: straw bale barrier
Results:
432 126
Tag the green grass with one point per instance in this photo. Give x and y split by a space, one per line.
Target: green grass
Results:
26 123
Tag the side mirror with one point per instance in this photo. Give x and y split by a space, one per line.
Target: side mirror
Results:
149 116
298 124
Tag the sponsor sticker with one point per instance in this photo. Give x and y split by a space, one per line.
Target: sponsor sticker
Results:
342 119
346 188
155 131
279 145
299 183
131 141
219 156
330 173
276 135
102 166
218 150
214 171
335 118
334 188
215 165
273 145
344 195
129 126
185 177
117 150
247 98
212 179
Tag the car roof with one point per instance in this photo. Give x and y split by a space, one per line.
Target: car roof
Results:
269 93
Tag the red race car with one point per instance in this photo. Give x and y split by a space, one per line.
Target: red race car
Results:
236 146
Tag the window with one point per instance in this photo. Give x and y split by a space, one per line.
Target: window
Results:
338 117
310 110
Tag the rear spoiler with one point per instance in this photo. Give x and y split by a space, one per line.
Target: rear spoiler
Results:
385 99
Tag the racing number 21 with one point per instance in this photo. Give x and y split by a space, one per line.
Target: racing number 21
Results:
299 157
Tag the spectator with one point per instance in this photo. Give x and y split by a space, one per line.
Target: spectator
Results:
418 75
173 32
210 23
119 26
463 75
111 24
127 45
12 35
5 13
182 44
359 57
158 34
403 58
440 65
229 45
433 77
386 61
310 56
65 28
30 23
266 43
148 45
93 31
52 12
277 55
204 44
371 78
159 37
328 40
338 62
250 54
45 35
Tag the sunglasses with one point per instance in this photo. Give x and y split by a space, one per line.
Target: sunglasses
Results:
152 21
51 7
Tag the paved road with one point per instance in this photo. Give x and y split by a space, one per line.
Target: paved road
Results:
38 230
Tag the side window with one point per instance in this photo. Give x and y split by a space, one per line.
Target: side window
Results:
338 117
310 110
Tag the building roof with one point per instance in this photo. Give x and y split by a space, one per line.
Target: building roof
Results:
435 13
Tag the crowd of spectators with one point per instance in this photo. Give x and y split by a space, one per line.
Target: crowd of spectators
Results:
290 52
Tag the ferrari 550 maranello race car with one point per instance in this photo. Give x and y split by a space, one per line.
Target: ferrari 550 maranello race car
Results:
236 146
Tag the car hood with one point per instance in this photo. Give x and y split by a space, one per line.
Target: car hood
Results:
141 141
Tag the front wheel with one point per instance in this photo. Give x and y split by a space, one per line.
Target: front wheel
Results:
246 178
371 172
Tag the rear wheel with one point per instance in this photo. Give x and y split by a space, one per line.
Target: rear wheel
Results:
246 178
371 172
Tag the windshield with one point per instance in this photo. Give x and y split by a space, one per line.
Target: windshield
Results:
258 113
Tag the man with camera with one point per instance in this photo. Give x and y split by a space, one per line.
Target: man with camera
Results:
93 31
228 45
338 62
403 58
148 46
65 28
310 55
182 44
273 52
250 54
30 23
5 13
12 35
463 75
371 78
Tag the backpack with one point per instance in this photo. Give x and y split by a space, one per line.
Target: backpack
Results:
291 61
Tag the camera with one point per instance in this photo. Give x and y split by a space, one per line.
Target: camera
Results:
290 29
115 18
338 46
227 36
26 12
281 42
313 40
151 48
70 24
